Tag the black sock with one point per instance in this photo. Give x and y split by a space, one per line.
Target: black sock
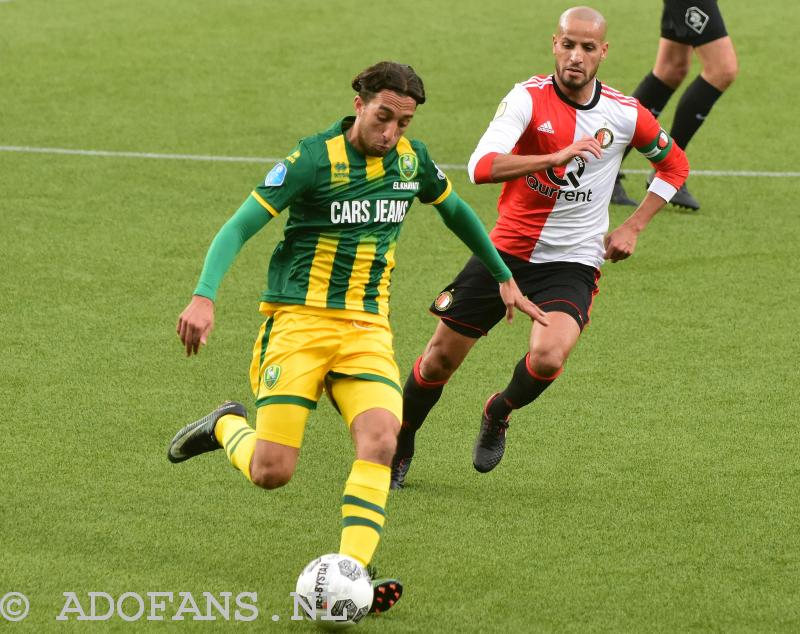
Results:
419 397
653 94
525 387
693 108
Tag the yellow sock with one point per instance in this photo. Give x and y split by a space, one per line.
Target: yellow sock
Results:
363 509
238 440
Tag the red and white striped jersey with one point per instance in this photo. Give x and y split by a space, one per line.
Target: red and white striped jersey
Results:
561 214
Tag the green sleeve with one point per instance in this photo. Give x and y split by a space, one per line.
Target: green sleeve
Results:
461 220
242 226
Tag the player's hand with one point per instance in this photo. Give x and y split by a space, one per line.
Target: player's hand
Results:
195 324
583 148
620 243
513 298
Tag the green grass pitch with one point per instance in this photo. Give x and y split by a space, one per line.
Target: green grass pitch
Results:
654 488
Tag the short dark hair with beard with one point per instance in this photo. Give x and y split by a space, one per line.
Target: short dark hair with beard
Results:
399 78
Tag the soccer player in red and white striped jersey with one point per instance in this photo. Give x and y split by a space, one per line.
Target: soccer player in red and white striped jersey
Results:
556 143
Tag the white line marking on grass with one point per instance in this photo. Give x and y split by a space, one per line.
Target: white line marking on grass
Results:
146 155
270 159
734 173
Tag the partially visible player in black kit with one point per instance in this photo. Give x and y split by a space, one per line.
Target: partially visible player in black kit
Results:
686 25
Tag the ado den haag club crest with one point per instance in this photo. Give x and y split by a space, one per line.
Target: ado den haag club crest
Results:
408 165
271 376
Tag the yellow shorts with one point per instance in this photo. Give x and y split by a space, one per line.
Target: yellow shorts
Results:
297 355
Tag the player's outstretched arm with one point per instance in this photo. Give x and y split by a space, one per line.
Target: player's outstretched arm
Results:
197 319
497 168
462 220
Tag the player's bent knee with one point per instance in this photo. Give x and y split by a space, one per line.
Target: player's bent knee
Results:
720 64
547 363
270 477
271 469
444 353
676 75
376 438
379 447
672 74
382 454
436 367
723 76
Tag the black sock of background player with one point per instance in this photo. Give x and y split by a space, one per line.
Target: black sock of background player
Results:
653 94
419 397
692 110
525 387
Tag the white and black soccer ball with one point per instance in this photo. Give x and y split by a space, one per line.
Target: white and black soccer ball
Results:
335 591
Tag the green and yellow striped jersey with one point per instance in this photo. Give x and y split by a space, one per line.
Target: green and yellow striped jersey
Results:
345 213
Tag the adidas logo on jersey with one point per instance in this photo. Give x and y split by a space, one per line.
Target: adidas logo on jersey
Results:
546 127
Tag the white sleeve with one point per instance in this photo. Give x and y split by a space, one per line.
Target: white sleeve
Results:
513 117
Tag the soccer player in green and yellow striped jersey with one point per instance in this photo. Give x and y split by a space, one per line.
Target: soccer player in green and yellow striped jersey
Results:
347 190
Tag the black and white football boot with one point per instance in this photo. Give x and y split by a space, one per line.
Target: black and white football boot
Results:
198 437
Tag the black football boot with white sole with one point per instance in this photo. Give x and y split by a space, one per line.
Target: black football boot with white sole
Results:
198 437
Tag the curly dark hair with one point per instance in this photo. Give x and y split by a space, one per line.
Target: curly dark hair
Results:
399 78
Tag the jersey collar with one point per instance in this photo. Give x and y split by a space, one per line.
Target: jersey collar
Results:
578 106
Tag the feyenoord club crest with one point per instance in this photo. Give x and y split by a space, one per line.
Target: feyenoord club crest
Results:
408 164
444 301
605 137
271 376
663 140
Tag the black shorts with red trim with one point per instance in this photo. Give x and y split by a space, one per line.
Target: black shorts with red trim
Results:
692 22
471 305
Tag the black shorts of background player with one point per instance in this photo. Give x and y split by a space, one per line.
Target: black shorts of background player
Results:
686 26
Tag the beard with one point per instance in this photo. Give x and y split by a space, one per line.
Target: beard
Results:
574 82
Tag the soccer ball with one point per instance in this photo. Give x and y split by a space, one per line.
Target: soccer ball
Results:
335 591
